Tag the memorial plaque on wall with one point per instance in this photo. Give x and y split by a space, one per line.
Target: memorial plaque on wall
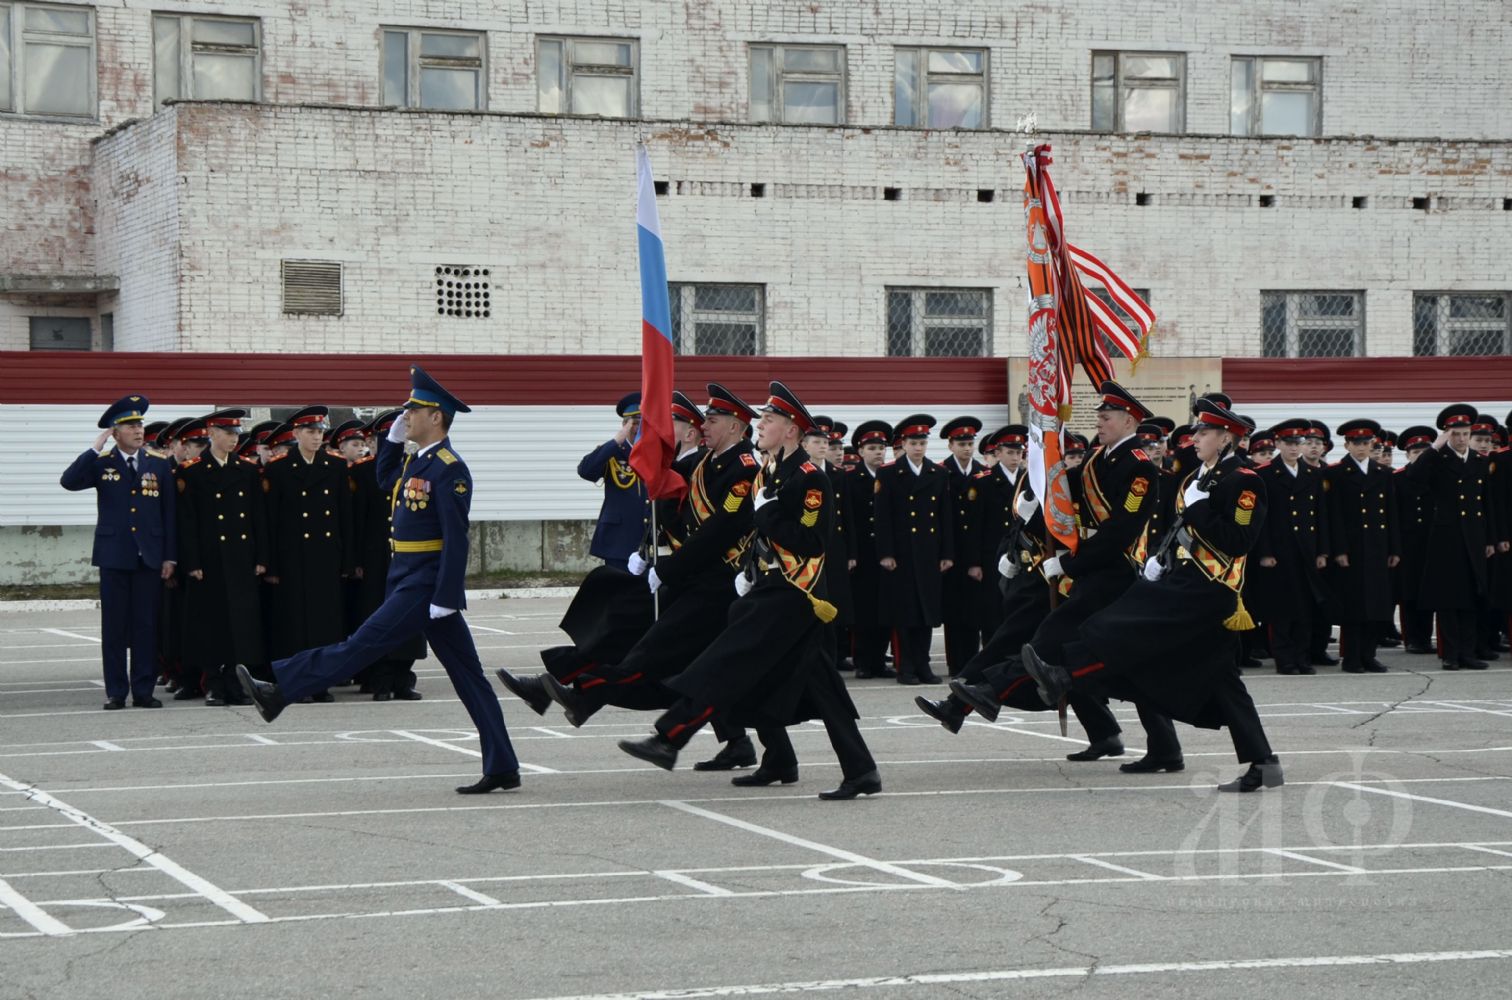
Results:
1166 385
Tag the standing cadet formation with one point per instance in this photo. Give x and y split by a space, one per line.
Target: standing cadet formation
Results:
273 563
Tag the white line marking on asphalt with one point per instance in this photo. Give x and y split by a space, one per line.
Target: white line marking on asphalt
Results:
70 635
527 768
1463 707
835 852
496 631
550 732
1487 850
265 741
141 851
1296 856
472 894
1117 868
1065 972
107 745
693 883
31 912
1469 807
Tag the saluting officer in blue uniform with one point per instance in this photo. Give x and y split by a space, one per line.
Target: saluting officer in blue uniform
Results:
431 494
623 518
134 547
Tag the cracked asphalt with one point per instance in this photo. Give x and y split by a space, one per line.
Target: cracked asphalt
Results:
199 853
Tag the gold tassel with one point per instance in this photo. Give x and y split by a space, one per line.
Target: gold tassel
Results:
1144 351
823 610
1240 620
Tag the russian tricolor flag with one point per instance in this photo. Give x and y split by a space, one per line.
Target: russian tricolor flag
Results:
654 450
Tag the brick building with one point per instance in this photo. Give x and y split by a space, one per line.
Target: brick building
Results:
378 175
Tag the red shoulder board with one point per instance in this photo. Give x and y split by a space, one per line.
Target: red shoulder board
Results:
888 465
278 458
983 474
1139 454
809 467
192 461
1247 470
1335 465
365 459
746 458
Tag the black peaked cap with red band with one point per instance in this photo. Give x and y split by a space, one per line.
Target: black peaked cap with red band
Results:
1007 436
1457 415
784 402
1116 397
685 409
961 429
1221 398
344 431
722 400
1417 436
226 420
872 432
1295 429
1211 413
914 425
310 416
1357 430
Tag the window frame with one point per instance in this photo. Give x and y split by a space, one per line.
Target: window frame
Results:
89 327
780 76
1445 325
569 70
415 62
1258 88
686 316
187 50
1178 84
920 322
1294 319
17 35
920 109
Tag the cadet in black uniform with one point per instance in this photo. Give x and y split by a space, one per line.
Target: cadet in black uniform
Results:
1459 544
996 487
1284 583
1169 639
962 583
914 547
1365 544
872 628
1415 505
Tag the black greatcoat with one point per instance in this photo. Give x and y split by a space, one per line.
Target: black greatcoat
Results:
1454 571
861 521
310 523
1362 524
913 527
1295 534
1499 485
1415 506
372 522
842 548
223 534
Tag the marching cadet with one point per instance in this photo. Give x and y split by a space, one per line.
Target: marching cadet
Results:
170 629
1487 615
1316 447
1415 505
840 551
626 512
223 549
687 430
312 546
871 627
914 547
432 494
1459 541
1168 638
769 665
1500 579
962 584
1364 540
836 469
135 547
1284 583
996 488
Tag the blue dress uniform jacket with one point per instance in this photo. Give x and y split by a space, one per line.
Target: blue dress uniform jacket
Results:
622 519
432 497
135 514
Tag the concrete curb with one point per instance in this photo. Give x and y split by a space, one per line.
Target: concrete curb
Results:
91 604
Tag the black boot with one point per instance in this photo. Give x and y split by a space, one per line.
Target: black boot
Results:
1110 746
574 705
979 697
738 752
946 712
655 749
530 690
1262 774
268 699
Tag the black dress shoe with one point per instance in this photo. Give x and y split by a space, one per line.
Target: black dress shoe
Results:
929 677
1470 663
324 697
186 694
1487 654
214 701
944 712
739 752
1054 680
384 696
1287 668
489 782
1308 669
1418 650
1376 667
1449 665
573 705
908 679
1352 668
268 699
1324 660
238 700
1112 746
1266 774
655 749
869 783
979 697
1388 642
761 777
409 695
111 704
527 689
1153 765
148 702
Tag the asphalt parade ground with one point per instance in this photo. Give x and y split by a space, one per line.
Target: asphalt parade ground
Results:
196 852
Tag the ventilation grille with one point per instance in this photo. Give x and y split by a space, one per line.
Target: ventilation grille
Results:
312 288
462 292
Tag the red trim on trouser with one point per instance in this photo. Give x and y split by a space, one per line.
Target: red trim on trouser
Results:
896 651
1090 668
591 682
632 678
580 670
1344 643
697 721
1017 682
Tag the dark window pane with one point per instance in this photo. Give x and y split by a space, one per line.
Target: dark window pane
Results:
1465 343
953 342
1324 343
1273 326
674 298
726 298
899 324
955 304
1425 326
726 338
1477 307
60 333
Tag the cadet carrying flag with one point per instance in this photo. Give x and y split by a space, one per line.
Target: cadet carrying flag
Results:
653 452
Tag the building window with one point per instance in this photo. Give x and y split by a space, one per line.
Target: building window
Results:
798 84
47 60
1312 324
1138 91
1462 324
718 319
440 70
60 333
588 76
1276 96
206 58
940 88
939 322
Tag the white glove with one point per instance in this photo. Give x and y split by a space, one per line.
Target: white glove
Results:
653 581
637 565
761 499
1153 570
1194 492
436 611
743 584
396 433
1027 505
1052 567
1005 565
